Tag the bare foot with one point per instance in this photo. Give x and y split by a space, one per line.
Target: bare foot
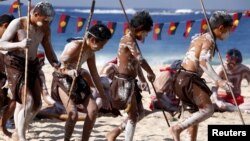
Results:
14 136
112 135
175 131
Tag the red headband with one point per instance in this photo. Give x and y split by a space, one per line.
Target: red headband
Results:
167 69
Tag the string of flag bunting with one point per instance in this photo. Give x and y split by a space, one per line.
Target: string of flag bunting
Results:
157 27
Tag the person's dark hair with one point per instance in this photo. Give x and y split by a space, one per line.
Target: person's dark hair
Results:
176 64
6 18
220 18
100 31
44 8
141 21
234 54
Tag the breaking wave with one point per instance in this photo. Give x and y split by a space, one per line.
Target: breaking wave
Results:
132 11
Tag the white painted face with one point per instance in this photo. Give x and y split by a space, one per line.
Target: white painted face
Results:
142 35
225 35
95 47
39 23
43 20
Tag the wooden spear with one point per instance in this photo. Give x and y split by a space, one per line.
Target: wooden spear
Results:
26 58
127 109
78 65
224 70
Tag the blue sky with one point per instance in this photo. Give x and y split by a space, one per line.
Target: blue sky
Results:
162 4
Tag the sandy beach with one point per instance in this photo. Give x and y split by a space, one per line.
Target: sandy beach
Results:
152 127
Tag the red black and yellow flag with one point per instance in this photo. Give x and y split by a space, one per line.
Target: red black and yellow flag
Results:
157 31
204 26
14 7
236 20
112 27
80 23
172 28
247 13
63 22
94 22
188 28
125 28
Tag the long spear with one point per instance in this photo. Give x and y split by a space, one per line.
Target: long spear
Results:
137 46
224 70
81 51
19 8
26 58
159 101
126 16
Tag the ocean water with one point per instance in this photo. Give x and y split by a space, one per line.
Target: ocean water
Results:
157 52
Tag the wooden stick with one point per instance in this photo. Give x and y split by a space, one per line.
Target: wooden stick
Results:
129 26
26 58
19 8
63 117
159 101
224 70
137 46
126 16
78 65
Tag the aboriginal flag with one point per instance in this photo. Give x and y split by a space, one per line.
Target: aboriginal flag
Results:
94 22
112 27
80 23
125 28
172 28
157 31
63 23
247 13
14 7
188 28
204 26
236 20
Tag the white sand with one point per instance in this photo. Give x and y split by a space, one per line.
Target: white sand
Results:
153 127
